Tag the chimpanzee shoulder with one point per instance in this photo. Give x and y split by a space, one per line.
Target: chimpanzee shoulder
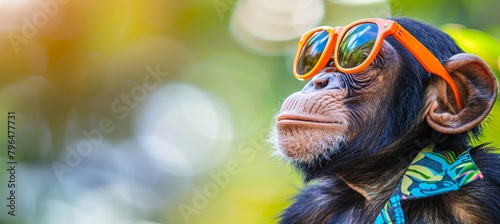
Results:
321 200
478 202
332 201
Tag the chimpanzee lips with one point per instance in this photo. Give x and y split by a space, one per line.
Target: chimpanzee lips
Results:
306 119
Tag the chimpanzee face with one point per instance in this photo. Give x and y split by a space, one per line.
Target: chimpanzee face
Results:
332 108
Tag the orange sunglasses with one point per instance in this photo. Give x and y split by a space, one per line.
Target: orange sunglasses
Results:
359 44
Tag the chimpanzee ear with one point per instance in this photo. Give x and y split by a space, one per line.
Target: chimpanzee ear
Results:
478 88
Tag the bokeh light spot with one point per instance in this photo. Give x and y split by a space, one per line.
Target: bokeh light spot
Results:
184 130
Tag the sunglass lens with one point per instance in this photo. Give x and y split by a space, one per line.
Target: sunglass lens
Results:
312 51
356 45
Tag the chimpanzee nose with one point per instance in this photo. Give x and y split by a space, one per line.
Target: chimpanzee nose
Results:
327 80
320 81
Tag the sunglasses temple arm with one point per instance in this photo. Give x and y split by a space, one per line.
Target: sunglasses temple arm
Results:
428 60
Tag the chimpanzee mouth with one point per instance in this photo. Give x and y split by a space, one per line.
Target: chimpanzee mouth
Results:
306 119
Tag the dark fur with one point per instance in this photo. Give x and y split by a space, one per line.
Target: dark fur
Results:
379 158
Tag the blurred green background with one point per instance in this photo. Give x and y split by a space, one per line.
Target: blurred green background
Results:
158 111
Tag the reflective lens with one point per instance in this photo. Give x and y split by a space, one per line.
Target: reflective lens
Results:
356 45
312 51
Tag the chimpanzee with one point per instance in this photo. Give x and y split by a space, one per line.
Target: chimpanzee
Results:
382 132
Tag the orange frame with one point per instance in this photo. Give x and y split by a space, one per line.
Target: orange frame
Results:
385 28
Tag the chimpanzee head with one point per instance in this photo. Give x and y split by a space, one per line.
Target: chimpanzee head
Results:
378 85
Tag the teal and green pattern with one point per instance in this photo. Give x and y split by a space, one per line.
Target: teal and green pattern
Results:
431 173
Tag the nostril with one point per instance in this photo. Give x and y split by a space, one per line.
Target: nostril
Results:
321 83
324 81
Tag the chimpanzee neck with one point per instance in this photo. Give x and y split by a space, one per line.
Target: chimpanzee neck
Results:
376 177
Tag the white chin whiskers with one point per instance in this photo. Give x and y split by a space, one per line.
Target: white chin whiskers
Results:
310 146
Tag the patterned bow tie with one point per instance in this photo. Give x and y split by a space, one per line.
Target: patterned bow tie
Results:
431 173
